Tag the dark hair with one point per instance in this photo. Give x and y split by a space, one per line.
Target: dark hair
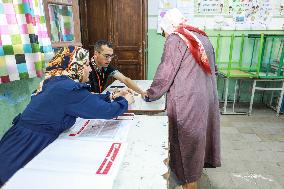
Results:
100 43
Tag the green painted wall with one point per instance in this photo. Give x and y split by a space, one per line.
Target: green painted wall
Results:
14 97
155 50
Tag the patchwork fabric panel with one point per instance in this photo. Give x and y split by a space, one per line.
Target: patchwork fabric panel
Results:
24 43
61 22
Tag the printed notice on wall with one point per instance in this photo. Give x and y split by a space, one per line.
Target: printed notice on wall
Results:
167 4
228 14
210 7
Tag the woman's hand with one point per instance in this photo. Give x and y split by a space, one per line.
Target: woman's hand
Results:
144 94
126 93
121 92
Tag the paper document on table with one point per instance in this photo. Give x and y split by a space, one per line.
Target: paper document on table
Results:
141 104
88 157
100 129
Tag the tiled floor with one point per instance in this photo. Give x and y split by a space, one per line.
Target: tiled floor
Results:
252 153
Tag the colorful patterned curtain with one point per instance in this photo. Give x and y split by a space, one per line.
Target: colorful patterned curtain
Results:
24 42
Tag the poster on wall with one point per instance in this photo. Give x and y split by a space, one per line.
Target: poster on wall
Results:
228 14
186 6
245 14
231 7
277 8
251 14
210 7
167 4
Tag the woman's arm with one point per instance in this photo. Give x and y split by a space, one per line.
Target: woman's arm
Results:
167 69
96 106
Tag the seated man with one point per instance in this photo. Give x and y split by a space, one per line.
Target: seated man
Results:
101 69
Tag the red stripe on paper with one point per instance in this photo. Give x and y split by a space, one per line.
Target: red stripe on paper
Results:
109 159
82 128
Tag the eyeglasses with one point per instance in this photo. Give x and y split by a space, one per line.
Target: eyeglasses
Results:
108 56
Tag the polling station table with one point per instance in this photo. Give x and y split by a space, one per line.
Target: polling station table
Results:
140 105
126 152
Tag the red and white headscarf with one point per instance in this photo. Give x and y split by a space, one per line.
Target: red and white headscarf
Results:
174 22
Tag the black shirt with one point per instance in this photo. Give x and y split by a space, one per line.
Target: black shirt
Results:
98 78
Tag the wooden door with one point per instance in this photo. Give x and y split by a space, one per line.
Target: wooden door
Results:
123 22
129 37
95 22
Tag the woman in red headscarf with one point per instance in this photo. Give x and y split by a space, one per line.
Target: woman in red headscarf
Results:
60 99
187 74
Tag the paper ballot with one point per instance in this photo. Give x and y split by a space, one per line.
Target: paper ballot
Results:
98 129
139 103
142 105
